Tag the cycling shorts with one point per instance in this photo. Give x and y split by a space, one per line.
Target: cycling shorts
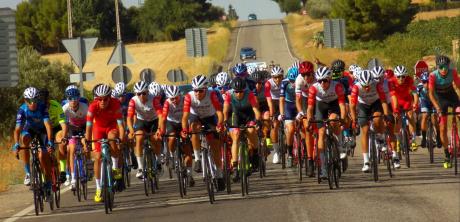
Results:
73 131
102 132
263 107
41 135
241 119
404 105
146 126
290 111
323 110
367 111
276 108
426 106
173 127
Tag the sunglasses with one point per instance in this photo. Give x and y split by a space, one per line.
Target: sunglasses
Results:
105 98
238 91
30 101
443 67
277 77
323 80
141 93
73 98
199 90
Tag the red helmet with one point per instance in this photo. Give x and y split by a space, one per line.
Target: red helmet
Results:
389 73
306 67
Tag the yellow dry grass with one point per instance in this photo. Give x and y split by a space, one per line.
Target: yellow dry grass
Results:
301 30
436 14
160 57
11 170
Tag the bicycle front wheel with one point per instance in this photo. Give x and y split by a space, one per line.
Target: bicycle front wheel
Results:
208 176
429 140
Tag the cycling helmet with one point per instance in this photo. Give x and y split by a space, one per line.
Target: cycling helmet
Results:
238 84
258 76
120 87
31 93
116 93
322 73
102 90
296 64
365 78
141 86
424 77
306 67
222 79
400 71
240 69
378 72
200 82
72 93
172 91
292 74
338 66
442 60
251 69
154 89
276 71
71 87
357 71
352 67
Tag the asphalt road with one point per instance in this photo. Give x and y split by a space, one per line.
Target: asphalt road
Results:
425 192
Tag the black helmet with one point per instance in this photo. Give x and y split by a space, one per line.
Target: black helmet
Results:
338 65
442 60
258 76
44 94
238 84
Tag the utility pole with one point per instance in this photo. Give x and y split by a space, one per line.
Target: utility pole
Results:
69 18
117 14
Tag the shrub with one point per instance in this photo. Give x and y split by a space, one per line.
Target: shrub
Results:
319 8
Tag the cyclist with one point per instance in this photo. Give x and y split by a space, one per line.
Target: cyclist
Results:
426 106
326 100
302 84
354 71
272 93
288 110
244 112
70 87
32 120
57 120
104 120
119 92
259 92
171 125
404 99
368 97
223 85
201 107
75 115
443 95
241 70
148 110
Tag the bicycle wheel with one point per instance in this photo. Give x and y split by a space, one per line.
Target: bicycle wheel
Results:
260 152
179 170
105 187
77 170
389 163
455 143
36 187
126 166
405 146
242 167
208 176
298 146
282 146
226 165
429 140
328 160
317 164
373 156
84 179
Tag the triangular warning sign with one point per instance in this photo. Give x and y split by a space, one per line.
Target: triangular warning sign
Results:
120 55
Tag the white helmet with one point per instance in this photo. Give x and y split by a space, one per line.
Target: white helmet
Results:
140 86
154 89
276 70
251 69
400 71
71 87
365 78
172 91
378 72
222 79
357 71
116 93
31 93
120 87
102 90
352 67
323 73
199 82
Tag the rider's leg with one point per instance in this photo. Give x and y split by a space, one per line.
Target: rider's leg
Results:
114 148
138 152
25 142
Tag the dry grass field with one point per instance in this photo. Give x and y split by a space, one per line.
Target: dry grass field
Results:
436 14
159 56
11 170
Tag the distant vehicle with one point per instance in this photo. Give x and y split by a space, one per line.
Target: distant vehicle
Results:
247 52
257 65
252 17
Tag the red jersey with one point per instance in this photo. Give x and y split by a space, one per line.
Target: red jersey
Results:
104 117
402 91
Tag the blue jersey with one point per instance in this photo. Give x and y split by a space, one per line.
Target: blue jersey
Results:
82 100
288 91
422 92
125 103
32 120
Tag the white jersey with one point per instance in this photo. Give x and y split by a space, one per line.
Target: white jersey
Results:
201 108
367 97
174 111
77 118
274 89
144 111
302 86
328 95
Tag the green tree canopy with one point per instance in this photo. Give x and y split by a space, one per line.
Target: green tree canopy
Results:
289 5
373 19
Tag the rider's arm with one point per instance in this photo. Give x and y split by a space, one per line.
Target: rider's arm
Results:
218 107
298 94
227 104
341 99
165 113
282 98
187 101
456 82
159 111
131 113
255 105
311 102
382 98
89 121
353 102
394 98
431 91
119 117
20 121
268 96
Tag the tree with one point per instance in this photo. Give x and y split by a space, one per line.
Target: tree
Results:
232 13
373 19
25 33
289 5
319 8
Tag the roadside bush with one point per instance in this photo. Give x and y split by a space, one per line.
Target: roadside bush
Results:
319 8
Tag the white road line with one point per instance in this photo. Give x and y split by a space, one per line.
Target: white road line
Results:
236 46
287 43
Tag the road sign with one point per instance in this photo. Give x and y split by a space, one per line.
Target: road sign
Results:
176 75
79 49
75 77
120 55
9 70
125 77
334 33
374 63
147 75
197 42
420 67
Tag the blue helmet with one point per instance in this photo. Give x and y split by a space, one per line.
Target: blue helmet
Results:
424 77
72 92
240 70
292 73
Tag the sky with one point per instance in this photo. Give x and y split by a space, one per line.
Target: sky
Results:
264 9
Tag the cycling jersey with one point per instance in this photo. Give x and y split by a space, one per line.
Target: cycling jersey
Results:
55 113
108 117
272 91
202 108
403 92
368 97
242 112
334 92
148 111
251 84
125 104
443 84
173 112
288 91
219 95
347 83
302 85
81 100
386 90
425 103
260 95
76 119
32 120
